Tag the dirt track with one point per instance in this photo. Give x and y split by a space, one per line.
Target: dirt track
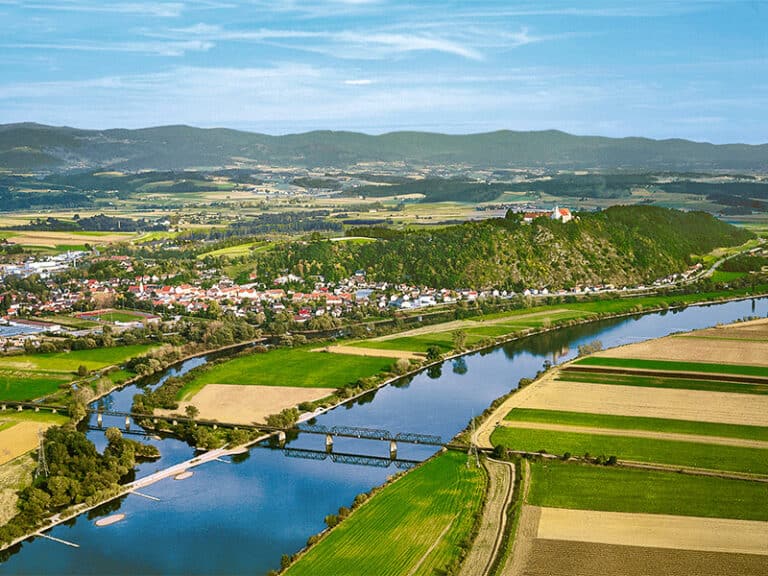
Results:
501 481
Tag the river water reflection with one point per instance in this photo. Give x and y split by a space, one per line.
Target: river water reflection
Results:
240 517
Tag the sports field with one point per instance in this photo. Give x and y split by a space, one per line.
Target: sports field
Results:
412 527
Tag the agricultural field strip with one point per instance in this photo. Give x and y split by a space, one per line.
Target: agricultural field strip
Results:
19 439
389 534
246 404
470 323
741 354
714 440
569 485
641 450
376 352
654 530
674 366
665 403
686 427
648 379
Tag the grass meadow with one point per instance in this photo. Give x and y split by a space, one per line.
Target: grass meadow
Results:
290 367
662 382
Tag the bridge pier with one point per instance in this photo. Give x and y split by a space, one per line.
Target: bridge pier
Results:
54 411
37 408
392 450
127 422
19 409
99 419
4 407
174 423
154 420
328 443
215 426
281 438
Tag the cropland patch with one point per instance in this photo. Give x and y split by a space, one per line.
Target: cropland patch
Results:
558 484
411 527
563 558
654 531
373 352
292 367
696 405
692 349
247 404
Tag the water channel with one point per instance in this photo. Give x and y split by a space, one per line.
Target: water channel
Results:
239 517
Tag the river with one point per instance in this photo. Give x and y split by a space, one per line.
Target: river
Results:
240 517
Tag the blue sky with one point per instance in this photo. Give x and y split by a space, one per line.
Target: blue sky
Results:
691 69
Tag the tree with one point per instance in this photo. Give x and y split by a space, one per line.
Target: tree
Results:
192 412
82 371
433 353
114 436
459 339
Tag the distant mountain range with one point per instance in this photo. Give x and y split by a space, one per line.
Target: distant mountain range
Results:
27 146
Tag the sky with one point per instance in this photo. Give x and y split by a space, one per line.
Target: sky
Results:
660 69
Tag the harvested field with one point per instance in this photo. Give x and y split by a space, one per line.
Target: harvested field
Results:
680 348
549 394
654 531
244 404
18 439
562 558
752 330
717 440
14 476
40 238
374 352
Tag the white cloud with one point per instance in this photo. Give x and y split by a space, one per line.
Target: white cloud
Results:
360 82
162 48
156 9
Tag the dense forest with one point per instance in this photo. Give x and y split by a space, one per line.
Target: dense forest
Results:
621 245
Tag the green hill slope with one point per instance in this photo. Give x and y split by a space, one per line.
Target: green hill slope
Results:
621 245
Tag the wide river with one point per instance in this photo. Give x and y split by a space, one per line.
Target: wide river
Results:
240 517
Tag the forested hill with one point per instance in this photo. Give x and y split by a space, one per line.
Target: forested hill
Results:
37 147
621 245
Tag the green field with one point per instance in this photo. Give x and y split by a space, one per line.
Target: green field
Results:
393 532
722 276
290 367
70 322
585 487
519 321
237 250
673 366
31 376
121 316
671 452
12 417
23 386
70 361
638 423
659 382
